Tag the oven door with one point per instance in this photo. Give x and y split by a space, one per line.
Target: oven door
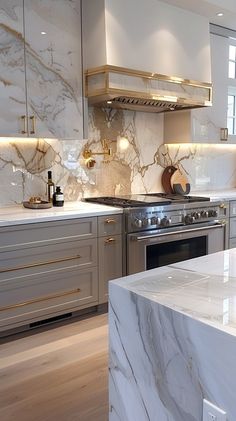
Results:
149 250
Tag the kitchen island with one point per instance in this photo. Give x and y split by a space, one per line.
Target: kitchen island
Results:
173 340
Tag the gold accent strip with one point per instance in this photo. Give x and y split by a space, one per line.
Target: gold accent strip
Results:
110 221
147 75
38 300
32 265
110 240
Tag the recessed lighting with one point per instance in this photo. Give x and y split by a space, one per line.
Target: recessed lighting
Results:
220 14
109 102
43 33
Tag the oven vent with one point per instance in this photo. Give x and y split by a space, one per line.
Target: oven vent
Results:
119 87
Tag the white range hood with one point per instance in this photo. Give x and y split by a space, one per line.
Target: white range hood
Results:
145 55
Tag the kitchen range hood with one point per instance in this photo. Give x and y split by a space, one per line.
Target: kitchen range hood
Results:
118 87
145 55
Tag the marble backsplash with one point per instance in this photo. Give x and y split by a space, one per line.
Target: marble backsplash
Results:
134 167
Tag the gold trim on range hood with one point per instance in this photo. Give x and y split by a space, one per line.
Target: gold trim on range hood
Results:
119 87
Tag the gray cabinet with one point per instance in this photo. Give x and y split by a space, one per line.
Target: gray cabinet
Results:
47 269
52 268
41 72
109 252
232 224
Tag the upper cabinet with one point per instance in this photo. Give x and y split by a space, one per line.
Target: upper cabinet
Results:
40 69
12 70
208 125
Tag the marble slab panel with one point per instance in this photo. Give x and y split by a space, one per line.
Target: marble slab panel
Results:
173 341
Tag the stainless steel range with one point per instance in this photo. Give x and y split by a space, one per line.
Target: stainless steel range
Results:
161 229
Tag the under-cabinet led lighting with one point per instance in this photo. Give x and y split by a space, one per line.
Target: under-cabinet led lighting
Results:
220 14
109 102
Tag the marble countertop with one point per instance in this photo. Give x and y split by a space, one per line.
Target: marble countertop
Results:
14 215
203 288
225 194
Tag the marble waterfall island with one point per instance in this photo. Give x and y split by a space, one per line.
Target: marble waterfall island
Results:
173 341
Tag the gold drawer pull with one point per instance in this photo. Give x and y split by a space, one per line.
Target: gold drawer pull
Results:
32 119
24 129
110 240
38 300
33 265
110 221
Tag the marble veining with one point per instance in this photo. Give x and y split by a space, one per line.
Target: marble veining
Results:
43 71
173 341
135 169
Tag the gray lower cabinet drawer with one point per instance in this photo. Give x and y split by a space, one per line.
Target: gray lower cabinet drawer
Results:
16 264
232 227
232 243
48 232
38 297
232 208
109 225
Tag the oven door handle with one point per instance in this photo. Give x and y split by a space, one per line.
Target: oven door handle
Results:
147 237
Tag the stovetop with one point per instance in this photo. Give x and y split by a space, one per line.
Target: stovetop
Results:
179 198
149 199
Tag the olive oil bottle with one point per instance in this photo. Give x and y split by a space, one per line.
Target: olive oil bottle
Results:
50 187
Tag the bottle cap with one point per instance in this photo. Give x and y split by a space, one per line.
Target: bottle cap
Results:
49 174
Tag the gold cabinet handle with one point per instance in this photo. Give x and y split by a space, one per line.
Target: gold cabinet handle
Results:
224 134
24 129
33 124
110 240
110 221
47 262
38 300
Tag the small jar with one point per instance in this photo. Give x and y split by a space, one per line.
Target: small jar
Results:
58 197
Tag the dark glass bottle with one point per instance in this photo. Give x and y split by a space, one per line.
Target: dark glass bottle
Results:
58 197
50 187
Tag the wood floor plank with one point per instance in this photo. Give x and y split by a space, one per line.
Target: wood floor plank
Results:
57 383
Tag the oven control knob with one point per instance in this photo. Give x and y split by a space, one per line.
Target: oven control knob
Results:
165 222
204 214
196 215
138 223
153 220
144 222
189 219
212 213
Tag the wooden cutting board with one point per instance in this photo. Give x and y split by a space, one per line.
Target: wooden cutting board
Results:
165 178
179 183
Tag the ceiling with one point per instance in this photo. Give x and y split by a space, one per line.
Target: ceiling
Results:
210 8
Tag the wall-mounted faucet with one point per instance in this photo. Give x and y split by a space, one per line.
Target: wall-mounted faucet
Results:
88 154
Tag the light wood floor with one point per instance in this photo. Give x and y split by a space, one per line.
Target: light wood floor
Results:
56 375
